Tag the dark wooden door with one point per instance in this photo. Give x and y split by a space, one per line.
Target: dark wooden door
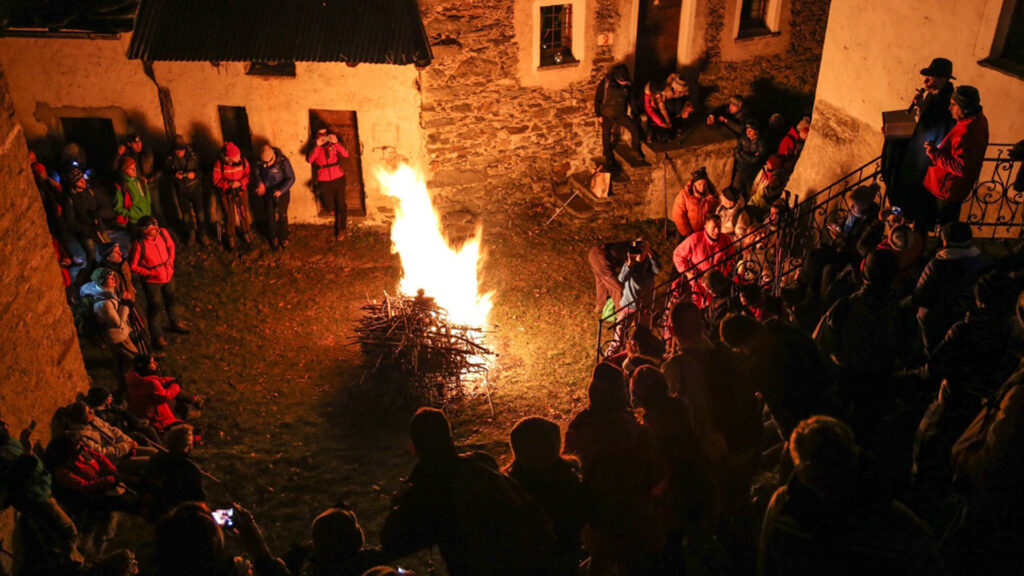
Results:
657 40
96 137
234 127
344 124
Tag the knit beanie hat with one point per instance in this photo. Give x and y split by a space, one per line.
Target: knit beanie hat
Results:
179 142
731 194
74 175
967 98
231 151
106 249
124 163
146 222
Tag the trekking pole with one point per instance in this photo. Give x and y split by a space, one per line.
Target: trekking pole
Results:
664 191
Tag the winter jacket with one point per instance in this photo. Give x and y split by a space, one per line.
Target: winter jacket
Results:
945 289
654 107
24 481
149 397
132 200
611 100
90 472
956 163
185 164
558 490
701 253
750 154
171 479
638 281
867 533
690 208
81 212
152 259
104 438
736 220
326 161
791 146
111 313
278 176
226 173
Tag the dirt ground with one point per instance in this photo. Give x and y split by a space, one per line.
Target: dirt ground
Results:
286 430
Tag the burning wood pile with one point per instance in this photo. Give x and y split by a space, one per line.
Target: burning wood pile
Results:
412 351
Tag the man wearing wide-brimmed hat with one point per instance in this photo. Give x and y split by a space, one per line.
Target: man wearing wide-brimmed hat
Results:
956 162
930 106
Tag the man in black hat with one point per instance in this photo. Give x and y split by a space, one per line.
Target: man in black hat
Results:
81 213
186 178
956 162
611 105
904 161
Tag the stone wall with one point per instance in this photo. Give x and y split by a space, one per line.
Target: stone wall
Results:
770 74
489 138
42 365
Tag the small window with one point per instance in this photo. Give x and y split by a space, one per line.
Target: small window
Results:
282 69
556 35
753 18
1008 47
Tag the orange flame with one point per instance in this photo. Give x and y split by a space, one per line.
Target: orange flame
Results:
447 274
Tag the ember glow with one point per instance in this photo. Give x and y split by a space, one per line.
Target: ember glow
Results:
445 273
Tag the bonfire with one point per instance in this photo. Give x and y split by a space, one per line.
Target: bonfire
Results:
426 343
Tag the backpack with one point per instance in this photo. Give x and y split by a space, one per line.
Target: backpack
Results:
86 323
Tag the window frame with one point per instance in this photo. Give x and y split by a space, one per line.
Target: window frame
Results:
564 53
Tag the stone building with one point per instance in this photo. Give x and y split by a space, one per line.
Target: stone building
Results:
503 108
864 74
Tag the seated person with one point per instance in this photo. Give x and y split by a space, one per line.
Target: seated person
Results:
102 403
150 396
172 477
105 439
665 104
731 116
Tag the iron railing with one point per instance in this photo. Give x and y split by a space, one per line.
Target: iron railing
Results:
772 252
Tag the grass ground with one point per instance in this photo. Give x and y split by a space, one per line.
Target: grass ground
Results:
286 430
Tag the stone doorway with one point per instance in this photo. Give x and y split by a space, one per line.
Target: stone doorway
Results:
657 40
344 124
234 127
94 136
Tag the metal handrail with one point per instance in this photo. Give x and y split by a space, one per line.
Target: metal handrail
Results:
802 226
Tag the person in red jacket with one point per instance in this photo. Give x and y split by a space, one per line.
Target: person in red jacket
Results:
695 201
330 177
956 162
701 252
231 178
152 260
150 395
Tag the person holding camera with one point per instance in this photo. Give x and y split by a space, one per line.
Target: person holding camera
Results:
231 178
637 277
329 176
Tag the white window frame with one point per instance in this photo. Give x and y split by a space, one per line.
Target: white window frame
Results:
772 19
578 32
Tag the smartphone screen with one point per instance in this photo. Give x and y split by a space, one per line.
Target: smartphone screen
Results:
224 517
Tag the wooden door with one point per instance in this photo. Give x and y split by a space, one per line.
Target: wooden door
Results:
657 40
344 124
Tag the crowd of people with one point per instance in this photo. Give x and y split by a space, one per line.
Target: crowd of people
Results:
866 421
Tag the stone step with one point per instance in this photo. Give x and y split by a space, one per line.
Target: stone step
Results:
700 135
631 163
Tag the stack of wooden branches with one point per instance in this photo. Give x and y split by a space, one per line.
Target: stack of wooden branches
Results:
412 350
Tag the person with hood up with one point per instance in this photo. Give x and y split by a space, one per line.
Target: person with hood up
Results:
275 178
231 178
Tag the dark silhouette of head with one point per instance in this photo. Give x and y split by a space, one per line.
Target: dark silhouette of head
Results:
431 435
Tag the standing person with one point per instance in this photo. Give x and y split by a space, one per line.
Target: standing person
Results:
231 178
186 179
132 199
701 252
275 176
329 177
694 202
146 164
749 156
904 161
611 106
637 276
81 212
152 260
605 262
956 162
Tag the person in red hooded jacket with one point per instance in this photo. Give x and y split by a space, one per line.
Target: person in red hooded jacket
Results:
231 178
152 260
956 162
150 395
